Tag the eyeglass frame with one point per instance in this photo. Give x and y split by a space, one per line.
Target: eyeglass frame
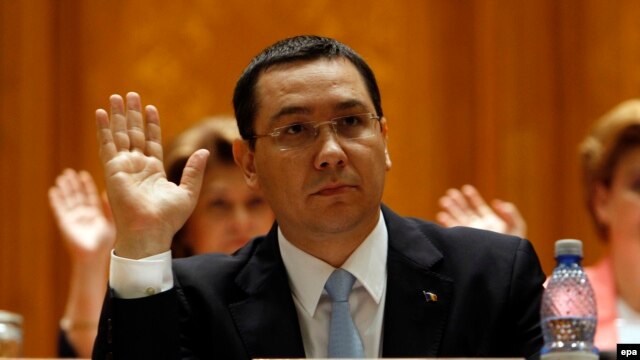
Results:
316 124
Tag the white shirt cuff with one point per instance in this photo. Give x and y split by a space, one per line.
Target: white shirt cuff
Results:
132 279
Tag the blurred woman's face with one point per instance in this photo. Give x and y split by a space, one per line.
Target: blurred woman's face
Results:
228 214
618 207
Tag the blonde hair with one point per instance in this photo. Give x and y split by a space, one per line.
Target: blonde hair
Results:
215 134
613 135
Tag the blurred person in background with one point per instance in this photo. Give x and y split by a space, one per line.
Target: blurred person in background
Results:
228 214
611 170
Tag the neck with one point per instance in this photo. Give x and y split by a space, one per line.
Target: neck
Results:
626 270
334 248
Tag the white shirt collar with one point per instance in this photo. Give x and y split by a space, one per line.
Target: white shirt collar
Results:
307 274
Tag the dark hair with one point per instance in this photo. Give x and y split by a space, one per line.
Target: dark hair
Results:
304 47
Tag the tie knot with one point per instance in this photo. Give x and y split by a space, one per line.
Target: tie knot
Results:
339 285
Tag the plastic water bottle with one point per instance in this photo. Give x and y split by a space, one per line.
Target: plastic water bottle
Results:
568 313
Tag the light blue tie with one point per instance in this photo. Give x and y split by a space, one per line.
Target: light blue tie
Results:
344 340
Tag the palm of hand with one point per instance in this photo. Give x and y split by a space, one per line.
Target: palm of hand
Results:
87 230
488 222
468 208
147 209
141 196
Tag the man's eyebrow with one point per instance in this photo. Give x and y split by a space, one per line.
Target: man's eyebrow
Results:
350 104
290 110
295 110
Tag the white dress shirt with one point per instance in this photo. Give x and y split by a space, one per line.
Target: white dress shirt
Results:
307 276
131 279
627 323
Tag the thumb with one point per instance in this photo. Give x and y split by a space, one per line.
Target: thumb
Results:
510 214
194 172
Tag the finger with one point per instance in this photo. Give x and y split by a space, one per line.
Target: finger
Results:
118 122
135 122
105 138
75 192
65 192
451 207
459 205
89 189
56 201
445 219
476 201
516 225
153 133
505 213
58 205
517 217
193 173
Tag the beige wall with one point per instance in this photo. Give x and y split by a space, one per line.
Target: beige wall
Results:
495 93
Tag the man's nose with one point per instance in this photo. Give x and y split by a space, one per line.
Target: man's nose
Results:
330 152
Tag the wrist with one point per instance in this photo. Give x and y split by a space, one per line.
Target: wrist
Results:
139 248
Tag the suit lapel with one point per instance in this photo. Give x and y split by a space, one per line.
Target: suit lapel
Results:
268 322
266 318
414 319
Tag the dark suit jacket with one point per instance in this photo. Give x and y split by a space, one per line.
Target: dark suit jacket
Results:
488 289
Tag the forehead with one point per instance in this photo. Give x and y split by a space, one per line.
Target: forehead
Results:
629 161
312 86
223 175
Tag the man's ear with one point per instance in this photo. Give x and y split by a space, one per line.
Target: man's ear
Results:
244 157
384 129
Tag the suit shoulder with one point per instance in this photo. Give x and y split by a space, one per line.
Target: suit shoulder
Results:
470 240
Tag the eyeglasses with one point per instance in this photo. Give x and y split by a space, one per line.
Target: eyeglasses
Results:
300 135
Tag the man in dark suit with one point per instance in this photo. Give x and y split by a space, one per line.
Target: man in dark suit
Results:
314 142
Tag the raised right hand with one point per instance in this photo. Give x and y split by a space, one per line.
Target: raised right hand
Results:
147 208
466 207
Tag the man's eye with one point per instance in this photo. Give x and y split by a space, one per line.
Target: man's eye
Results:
294 129
351 120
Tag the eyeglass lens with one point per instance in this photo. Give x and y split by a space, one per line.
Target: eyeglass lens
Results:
347 127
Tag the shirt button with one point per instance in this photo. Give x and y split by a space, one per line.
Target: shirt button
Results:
150 291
